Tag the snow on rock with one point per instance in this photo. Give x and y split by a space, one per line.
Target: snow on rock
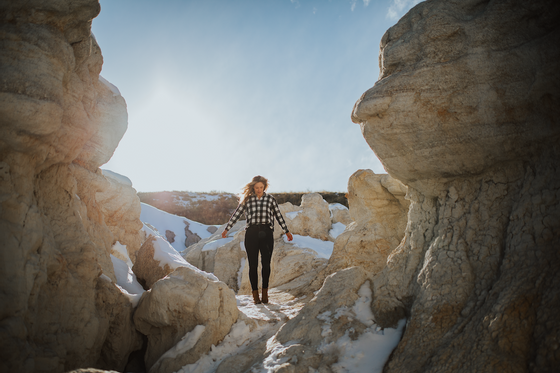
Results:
246 344
322 249
126 281
340 214
335 330
119 250
214 244
183 316
181 227
312 218
221 256
368 353
157 258
336 230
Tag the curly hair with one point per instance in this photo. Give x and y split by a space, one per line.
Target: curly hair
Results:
249 189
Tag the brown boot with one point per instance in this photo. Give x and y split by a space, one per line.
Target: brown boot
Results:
256 297
265 296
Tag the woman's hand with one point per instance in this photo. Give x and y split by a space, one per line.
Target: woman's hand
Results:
289 235
224 233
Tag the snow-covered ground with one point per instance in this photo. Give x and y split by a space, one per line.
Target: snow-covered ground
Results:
163 221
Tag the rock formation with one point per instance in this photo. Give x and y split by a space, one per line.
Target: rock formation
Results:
379 212
312 219
466 115
59 121
183 316
340 214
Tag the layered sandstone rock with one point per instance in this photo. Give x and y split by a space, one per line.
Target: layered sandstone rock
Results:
183 315
379 211
465 114
59 122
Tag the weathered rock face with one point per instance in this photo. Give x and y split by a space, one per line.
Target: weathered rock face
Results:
466 114
320 337
221 256
120 207
313 219
58 123
183 315
465 85
380 212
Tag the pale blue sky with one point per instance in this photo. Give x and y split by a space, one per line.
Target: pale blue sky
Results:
220 91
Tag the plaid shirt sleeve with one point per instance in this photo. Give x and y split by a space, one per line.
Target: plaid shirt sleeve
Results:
236 215
279 216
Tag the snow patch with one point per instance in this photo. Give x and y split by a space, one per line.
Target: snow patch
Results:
336 230
122 253
186 343
323 249
369 352
126 281
164 221
337 206
215 244
166 254
292 215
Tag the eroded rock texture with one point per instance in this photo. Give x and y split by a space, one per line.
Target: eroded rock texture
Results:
59 121
183 315
379 210
466 113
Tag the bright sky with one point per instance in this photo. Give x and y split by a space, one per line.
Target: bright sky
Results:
219 91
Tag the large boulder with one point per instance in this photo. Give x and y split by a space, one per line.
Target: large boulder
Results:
379 210
466 114
156 259
183 315
312 219
224 257
59 121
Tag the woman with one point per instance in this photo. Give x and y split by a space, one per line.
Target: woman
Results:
261 209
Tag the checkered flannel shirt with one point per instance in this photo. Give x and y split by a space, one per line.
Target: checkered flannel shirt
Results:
259 211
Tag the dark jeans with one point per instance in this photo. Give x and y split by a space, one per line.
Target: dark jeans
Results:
259 238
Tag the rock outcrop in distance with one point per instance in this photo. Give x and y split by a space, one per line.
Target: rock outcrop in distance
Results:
466 114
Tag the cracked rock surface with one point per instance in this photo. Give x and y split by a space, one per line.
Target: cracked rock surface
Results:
466 115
